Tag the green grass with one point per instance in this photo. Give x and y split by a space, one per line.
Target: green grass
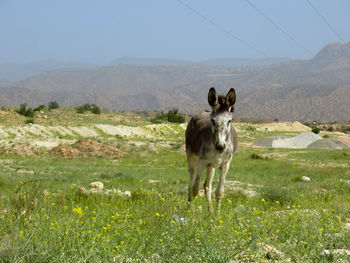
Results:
295 218
44 217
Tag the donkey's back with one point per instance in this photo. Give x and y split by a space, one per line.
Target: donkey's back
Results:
197 133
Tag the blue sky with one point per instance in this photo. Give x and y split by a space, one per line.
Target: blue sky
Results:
101 31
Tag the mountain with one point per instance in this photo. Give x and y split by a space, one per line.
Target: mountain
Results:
13 72
315 89
243 62
148 61
222 62
16 72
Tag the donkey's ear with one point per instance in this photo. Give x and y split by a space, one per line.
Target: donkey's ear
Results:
231 98
212 97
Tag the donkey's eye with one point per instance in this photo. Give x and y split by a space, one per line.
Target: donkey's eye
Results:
229 122
213 122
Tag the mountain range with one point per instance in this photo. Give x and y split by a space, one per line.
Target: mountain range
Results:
314 89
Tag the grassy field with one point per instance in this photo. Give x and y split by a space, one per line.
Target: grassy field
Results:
268 214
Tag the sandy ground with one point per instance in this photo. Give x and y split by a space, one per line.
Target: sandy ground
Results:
38 136
84 131
345 140
303 140
124 131
276 126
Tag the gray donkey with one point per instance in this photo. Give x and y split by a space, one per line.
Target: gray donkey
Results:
211 142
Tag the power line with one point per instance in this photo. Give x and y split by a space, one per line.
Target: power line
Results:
278 27
221 28
324 20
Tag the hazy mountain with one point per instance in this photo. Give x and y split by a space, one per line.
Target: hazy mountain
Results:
243 62
148 61
315 89
13 72
223 62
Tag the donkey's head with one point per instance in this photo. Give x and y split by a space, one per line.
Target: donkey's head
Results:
221 117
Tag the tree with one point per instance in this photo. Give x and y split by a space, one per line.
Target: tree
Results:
53 105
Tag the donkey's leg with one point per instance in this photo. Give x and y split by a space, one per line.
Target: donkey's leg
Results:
192 170
219 192
207 186
200 169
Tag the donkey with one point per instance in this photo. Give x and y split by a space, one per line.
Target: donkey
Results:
211 141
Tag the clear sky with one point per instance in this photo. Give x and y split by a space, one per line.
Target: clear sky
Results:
99 31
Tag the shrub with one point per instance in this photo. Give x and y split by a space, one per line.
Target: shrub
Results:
172 116
95 109
53 105
315 130
330 129
40 108
27 112
80 109
88 107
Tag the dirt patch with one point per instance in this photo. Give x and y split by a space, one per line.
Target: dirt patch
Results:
65 151
85 148
345 140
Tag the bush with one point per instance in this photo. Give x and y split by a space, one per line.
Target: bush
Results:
88 107
315 130
172 116
330 129
40 108
53 105
27 112
95 109
80 109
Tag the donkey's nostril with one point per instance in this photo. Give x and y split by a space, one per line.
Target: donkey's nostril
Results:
220 147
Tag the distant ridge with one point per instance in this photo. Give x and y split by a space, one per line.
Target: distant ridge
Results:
13 72
223 62
242 62
316 89
148 61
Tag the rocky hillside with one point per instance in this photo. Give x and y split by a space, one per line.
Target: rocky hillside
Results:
315 89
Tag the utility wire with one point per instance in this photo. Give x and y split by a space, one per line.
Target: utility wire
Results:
278 27
324 20
221 28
